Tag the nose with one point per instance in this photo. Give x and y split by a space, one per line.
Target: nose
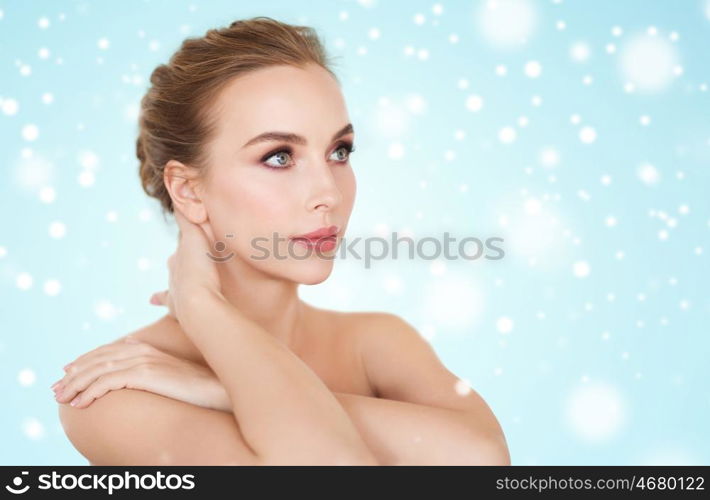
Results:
325 193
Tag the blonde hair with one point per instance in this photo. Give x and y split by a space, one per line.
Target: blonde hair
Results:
175 118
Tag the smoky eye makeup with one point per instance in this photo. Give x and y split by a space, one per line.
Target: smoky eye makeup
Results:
288 150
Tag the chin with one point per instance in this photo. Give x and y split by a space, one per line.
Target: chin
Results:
312 273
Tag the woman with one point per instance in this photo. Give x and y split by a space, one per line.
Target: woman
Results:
245 137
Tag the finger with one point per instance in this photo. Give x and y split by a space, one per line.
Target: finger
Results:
159 298
94 372
127 347
192 229
71 367
140 353
115 351
89 357
112 381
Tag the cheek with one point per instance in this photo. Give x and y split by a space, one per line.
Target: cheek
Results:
250 206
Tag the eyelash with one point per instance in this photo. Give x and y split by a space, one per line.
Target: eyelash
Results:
287 149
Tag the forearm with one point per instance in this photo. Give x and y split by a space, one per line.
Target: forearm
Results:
284 410
402 433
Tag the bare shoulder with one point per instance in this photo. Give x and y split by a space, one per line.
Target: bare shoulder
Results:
400 362
403 365
378 326
135 427
358 319
373 332
362 325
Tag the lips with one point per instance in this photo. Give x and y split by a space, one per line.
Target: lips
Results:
318 234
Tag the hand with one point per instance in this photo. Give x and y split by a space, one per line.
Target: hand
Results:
192 272
164 299
132 364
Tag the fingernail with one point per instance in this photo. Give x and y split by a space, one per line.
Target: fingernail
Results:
54 385
74 401
154 299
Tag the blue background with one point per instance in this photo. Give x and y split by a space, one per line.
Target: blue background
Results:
589 339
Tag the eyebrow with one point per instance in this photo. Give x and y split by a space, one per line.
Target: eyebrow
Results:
294 138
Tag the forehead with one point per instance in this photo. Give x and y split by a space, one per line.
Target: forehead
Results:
306 101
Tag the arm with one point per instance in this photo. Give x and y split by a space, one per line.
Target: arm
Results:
402 366
439 428
403 433
135 427
423 414
397 432
285 411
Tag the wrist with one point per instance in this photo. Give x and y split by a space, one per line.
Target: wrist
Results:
200 297
197 305
211 295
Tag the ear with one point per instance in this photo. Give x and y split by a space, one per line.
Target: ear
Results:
181 182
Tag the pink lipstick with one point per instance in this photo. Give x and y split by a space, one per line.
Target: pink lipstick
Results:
323 238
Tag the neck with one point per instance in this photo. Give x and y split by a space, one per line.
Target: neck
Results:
270 302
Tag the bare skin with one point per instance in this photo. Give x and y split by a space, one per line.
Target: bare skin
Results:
398 432
328 347
382 396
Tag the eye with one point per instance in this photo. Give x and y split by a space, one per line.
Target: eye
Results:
282 162
279 154
349 149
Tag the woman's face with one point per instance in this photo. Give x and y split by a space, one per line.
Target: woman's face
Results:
265 191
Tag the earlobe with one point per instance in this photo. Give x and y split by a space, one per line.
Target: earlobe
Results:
198 215
180 182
